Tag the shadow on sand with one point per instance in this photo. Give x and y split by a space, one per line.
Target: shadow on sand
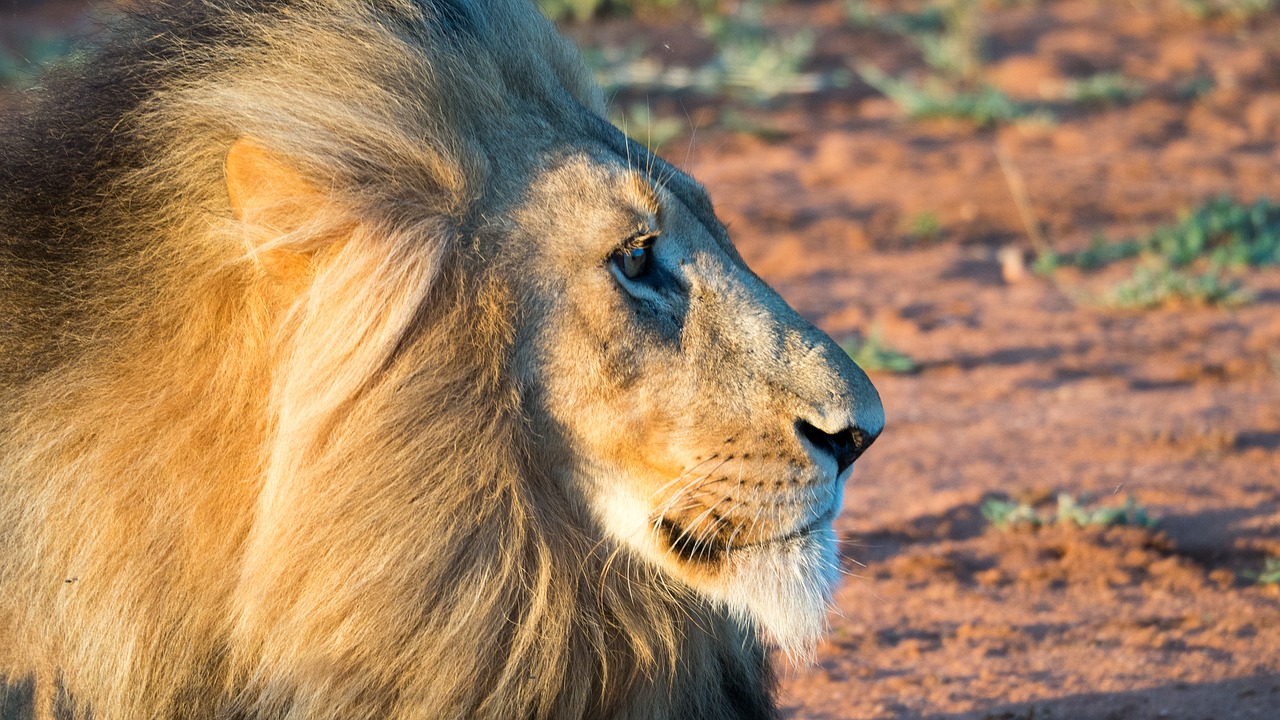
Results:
1251 698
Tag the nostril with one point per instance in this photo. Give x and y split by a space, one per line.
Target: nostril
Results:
845 446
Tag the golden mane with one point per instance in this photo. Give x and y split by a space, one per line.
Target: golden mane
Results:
223 495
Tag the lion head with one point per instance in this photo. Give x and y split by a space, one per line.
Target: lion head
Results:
360 368
699 421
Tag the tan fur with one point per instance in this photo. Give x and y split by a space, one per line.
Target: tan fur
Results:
353 416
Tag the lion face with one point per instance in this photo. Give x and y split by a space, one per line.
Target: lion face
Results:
706 426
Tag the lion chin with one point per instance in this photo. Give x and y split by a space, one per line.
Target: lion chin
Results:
781 587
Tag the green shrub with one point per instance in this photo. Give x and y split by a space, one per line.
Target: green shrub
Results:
1268 575
956 51
754 60
1190 261
1007 514
947 32
925 227
1156 285
1237 9
750 62
928 19
1129 514
1224 232
872 354
934 98
1011 515
1101 252
949 36
1103 89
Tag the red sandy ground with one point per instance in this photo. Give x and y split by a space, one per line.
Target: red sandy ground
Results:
1028 388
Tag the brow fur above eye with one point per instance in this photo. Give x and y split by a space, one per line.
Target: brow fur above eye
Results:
643 238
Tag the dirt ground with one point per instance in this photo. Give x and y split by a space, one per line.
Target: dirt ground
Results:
1028 387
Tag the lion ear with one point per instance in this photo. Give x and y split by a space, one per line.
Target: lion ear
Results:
271 200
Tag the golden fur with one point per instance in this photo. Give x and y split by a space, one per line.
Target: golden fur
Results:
322 400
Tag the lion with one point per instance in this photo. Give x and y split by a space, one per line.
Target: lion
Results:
355 366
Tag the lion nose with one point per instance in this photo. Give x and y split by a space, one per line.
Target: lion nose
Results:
845 445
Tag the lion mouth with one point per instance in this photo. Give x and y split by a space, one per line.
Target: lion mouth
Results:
690 547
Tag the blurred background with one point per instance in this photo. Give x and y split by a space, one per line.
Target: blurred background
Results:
1050 230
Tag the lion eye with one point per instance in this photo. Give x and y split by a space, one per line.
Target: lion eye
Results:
633 262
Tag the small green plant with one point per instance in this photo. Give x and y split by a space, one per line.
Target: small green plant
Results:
1189 261
1010 515
872 354
750 62
1268 575
947 32
949 36
1129 514
935 98
1158 284
957 50
1217 236
1224 232
924 227
1220 232
1235 9
752 59
1101 252
1046 262
928 19
1103 89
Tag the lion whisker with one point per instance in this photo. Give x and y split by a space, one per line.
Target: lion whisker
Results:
693 134
667 506
680 477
